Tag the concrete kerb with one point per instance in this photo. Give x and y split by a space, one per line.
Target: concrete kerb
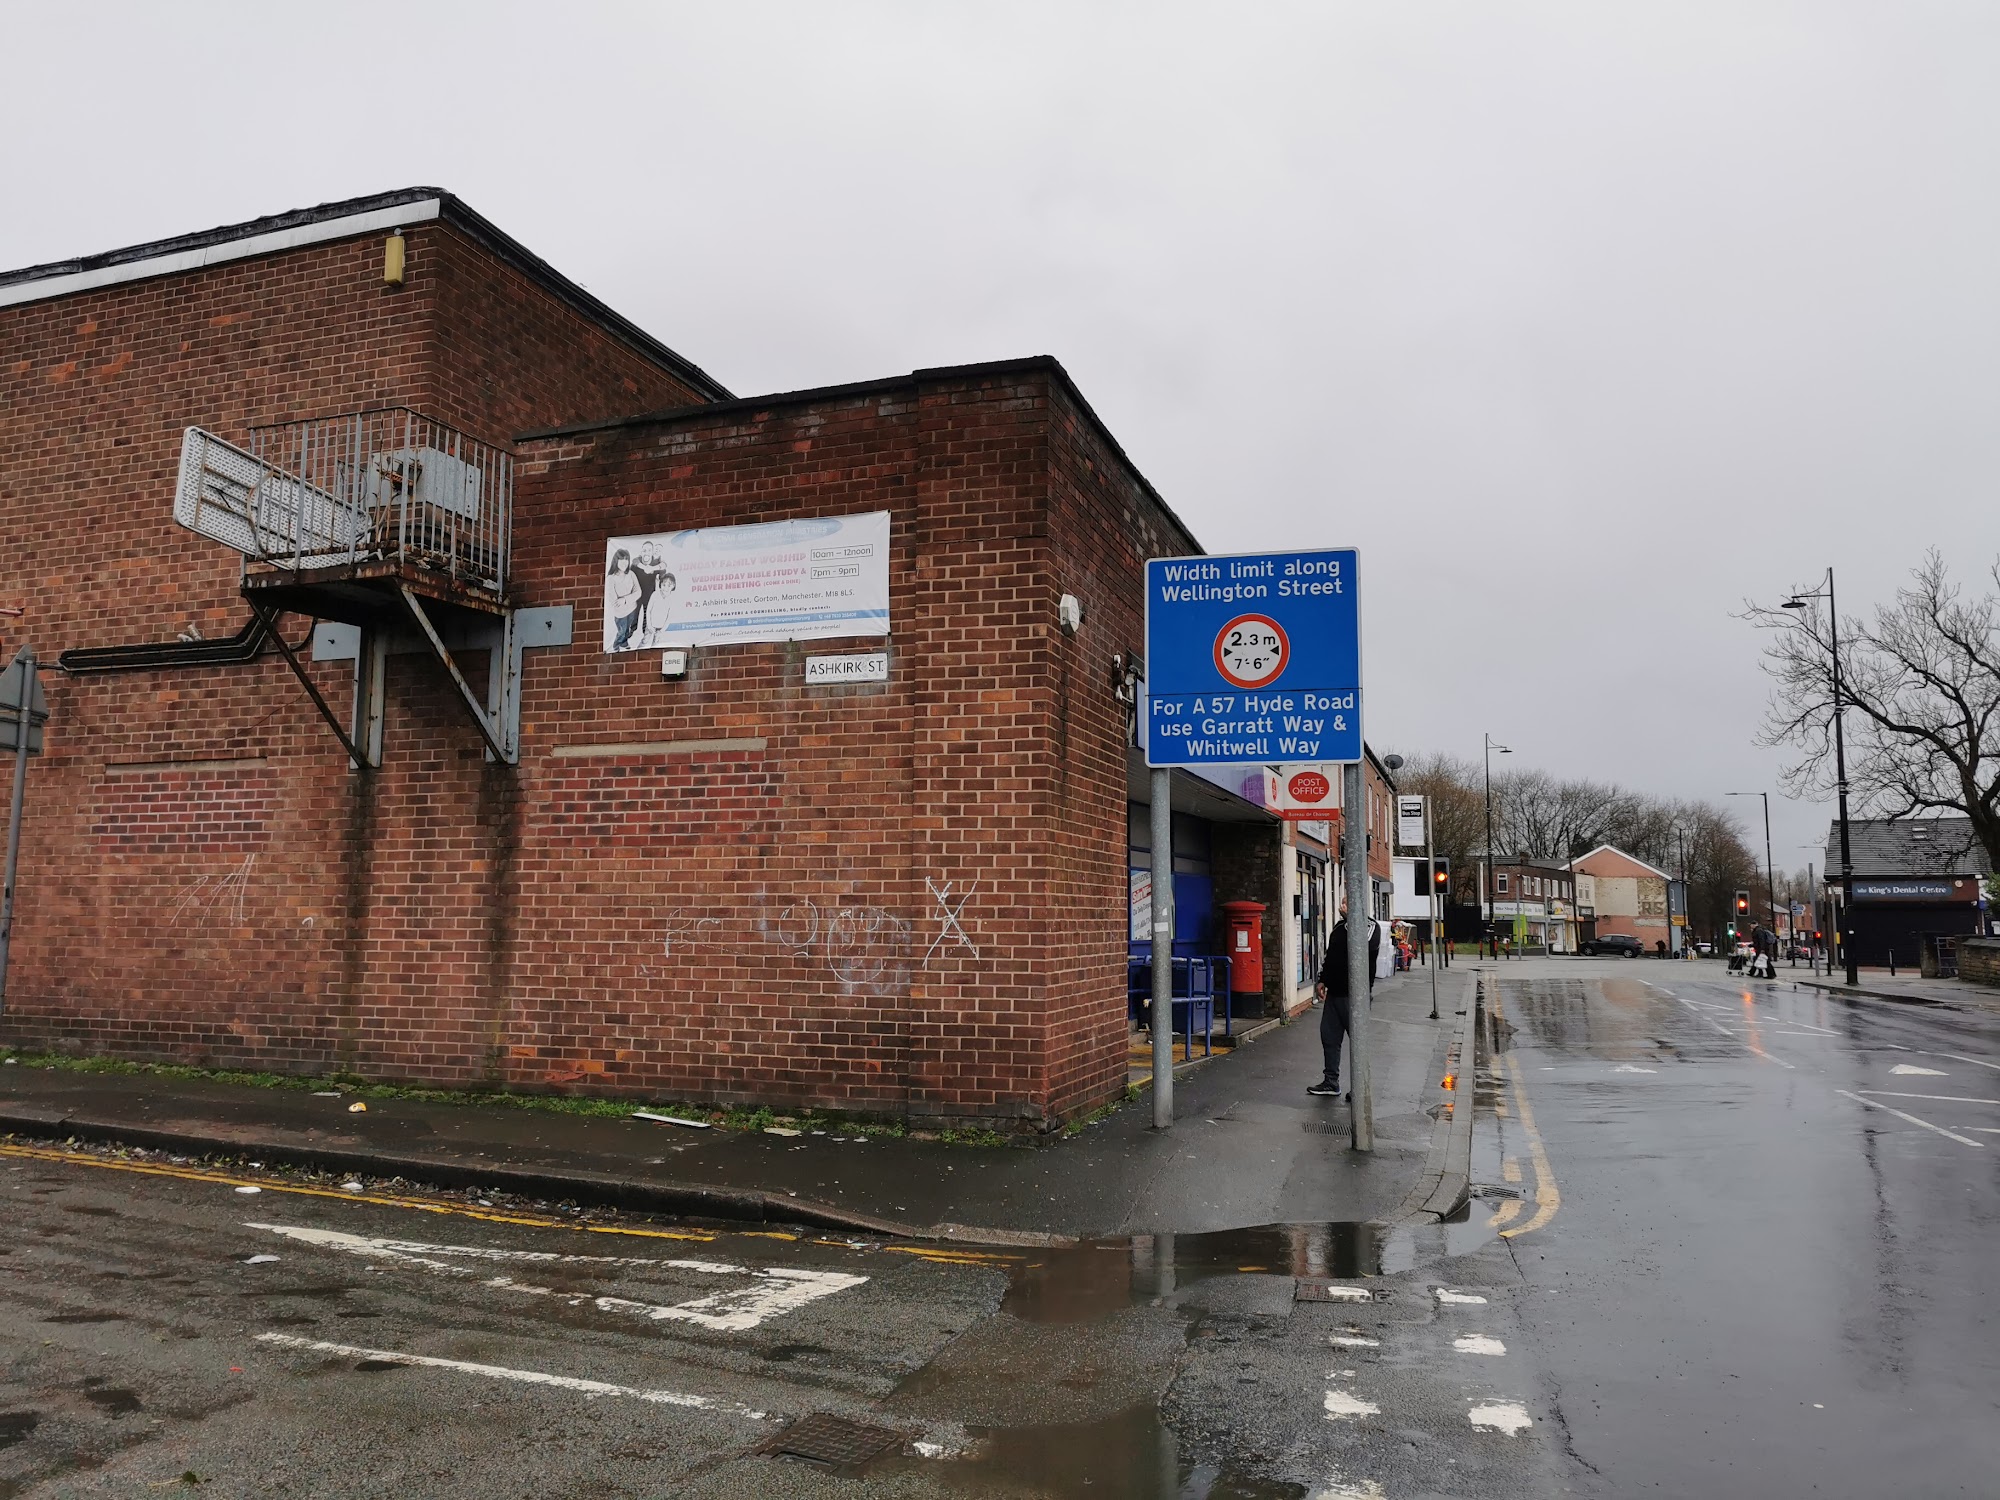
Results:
1446 1183
596 1189
1833 987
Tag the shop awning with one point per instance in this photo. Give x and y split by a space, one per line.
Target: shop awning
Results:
1197 795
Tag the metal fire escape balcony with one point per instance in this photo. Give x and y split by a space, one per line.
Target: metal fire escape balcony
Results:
344 512
377 521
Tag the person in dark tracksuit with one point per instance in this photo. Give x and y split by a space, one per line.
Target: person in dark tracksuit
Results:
1333 990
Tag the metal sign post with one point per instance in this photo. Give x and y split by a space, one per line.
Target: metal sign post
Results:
1163 950
20 691
1413 829
1255 660
1360 973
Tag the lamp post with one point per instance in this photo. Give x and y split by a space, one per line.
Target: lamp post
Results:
1843 932
1490 748
1770 879
1812 917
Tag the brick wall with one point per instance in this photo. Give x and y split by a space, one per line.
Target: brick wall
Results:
778 919
199 868
1979 960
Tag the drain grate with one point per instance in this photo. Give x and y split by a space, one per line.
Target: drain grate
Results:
835 1441
1318 1289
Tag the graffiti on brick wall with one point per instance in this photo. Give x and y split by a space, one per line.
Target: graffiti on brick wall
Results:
868 949
864 947
949 926
217 895
683 930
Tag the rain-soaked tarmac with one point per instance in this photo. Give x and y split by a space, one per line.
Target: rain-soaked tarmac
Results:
1725 1240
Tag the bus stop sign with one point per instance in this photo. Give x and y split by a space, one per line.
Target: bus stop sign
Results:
1253 658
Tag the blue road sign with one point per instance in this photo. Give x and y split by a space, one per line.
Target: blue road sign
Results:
1255 657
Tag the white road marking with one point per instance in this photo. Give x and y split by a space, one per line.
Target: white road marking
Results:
246 1189
1913 1069
1339 1488
1962 1140
1470 1299
1509 1417
1340 1404
778 1289
1726 1031
258 1260
1947 1098
334 1239
1352 1341
1628 1068
1956 1057
1342 1293
1478 1343
524 1377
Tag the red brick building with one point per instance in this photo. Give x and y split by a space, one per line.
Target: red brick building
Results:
904 894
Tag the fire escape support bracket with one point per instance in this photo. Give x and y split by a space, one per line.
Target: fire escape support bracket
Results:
489 722
270 622
505 643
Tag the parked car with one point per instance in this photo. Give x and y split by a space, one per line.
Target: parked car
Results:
1614 945
1706 950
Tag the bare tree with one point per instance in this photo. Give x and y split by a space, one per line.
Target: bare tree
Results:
1923 681
1719 864
1457 808
1548 818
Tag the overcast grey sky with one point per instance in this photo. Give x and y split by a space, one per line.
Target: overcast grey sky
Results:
1584 321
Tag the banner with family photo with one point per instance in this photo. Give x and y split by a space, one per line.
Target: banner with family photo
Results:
777 581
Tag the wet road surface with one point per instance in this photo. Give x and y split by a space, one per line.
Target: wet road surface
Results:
159 1321
1768 1269
1726 1240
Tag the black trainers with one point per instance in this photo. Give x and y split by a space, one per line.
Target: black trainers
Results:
1325 1090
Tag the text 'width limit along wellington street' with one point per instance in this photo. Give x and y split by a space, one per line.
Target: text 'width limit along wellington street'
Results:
572 931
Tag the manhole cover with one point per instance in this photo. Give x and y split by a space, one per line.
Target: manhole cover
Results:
835 1441
1316 1289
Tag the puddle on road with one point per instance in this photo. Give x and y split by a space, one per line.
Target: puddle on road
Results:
115 1401
1084 1282
1129 1456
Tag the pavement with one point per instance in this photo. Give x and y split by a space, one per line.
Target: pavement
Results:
1249 1146
1910 989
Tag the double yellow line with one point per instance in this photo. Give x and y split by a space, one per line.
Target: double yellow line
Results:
1548 1197
948 1255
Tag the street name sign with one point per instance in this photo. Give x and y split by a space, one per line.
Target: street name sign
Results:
1253 658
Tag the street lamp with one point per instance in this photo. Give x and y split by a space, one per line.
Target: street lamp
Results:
1812 894
1770 880
1490 748
1844 931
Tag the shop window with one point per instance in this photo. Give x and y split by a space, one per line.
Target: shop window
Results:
1311 916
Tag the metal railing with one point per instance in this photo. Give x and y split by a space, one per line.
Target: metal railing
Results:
400 487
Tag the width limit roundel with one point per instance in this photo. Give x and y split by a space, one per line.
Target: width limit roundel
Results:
1251 650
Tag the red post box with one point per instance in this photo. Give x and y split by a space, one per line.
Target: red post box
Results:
1246 946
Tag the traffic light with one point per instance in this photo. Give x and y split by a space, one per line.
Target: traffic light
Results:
1420 877
1742 903
1441 877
